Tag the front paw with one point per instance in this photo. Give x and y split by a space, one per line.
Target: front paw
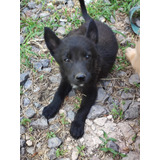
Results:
77 129
49 112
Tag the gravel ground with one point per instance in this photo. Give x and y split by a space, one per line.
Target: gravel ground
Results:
116 110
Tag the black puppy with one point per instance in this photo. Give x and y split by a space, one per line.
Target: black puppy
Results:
85 55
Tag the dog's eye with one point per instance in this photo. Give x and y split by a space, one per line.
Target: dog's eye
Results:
87 56
67 60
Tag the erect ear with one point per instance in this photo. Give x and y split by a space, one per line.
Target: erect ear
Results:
52 41
92 32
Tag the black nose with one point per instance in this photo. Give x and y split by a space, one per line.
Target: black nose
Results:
80 77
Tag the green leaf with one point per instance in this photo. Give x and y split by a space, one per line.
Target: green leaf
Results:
104 149
112 151
112 139
122 155
118 32
105 134
103 140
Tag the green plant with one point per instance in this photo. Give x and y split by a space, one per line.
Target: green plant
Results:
126 90
77 105
21 90
137 84
32 138
106 149
60 152
50 135
30 129
117 112
81 150
24 121
134 138
123 102
41 77
63 119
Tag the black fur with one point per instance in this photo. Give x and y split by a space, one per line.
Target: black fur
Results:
85 55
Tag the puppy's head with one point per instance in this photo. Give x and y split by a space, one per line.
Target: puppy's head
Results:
76 55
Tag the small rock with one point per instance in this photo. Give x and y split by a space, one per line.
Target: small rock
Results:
24 77
126 105
62 112
132 112
36 89
107 1
22 142
44 14
54 142
112 20
134 79
55 78
100 121
61 30
127 131
109 117
30 113
87 1
38 66
25 9
62 24
102 19
57 2
34 10
35 49
29 143
72 93
132 156
28 84
113 145
30 150
96 111
31 5
126 95
54 127
127 20
137 145
45 62
137 22
41 110
21 39
59 7
22 152
39 6
70 3
39 123
28 13
48 70
120 38
74 154
63 20
102 96
37 105
52 154
71 115
26 101
95 158
121 74
22 129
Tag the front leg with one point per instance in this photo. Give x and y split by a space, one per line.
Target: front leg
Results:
63 90
77 126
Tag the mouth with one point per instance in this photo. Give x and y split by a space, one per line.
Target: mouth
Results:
77 85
